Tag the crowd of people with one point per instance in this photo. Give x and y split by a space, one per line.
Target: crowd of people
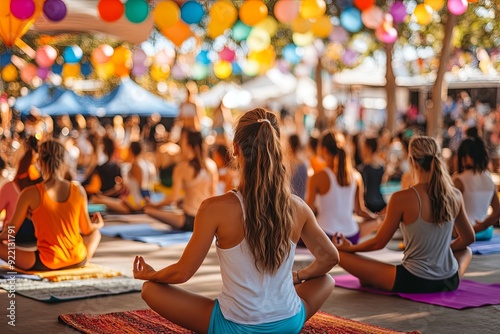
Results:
277 193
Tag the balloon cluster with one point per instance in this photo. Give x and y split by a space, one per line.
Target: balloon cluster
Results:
136 11
54 10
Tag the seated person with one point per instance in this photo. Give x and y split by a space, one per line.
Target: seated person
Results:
196 175
66 236
427 213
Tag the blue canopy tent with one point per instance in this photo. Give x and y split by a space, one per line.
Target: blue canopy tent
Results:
127 99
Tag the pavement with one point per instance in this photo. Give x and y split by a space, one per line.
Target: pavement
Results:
386 311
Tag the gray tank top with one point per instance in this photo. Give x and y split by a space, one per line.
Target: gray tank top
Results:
427 247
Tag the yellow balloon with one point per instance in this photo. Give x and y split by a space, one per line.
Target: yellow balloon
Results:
222 69
159 72
122 56
223 12
122 70
105 71
423 13
166 14
264 58
303 39
214 29
71 70
435 4
301 25
269 24
251 67
9 73
252 12
312 9
258 39
322 27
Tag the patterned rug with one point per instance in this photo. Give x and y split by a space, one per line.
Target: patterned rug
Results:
149 322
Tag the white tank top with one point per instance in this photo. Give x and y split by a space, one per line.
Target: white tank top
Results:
196 191
336 207
252 297
478 192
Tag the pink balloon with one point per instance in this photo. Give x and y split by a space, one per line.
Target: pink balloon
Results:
28 72
227 54
22 9
45 56
286 11
339 35
43 73
102 54
398 11
386 36
139 70
372 17
177 72
457 7
139 56
165 57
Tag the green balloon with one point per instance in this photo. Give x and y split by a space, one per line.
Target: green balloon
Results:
136 11
199 71
240 31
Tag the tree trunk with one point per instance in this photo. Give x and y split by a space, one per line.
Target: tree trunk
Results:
434 118
390 89
321 122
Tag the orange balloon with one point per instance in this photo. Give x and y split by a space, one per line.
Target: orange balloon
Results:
252 12
12 28
71 71
122 56
224 13
122 70
177 33
214 29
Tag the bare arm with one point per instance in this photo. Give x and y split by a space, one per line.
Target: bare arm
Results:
359 202
463 227
493 217
87 226
28 200
311 191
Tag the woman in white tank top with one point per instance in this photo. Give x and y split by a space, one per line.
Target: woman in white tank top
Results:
479 191
336 192
256 229
427 214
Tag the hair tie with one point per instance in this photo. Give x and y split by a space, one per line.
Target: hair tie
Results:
260 120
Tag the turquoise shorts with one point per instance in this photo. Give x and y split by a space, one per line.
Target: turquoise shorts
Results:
219 325
485 235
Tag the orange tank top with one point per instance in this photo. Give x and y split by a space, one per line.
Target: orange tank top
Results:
57 229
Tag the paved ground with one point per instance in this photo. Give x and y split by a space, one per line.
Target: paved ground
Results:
386 311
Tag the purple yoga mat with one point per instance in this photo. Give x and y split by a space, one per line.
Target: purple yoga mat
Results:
469 293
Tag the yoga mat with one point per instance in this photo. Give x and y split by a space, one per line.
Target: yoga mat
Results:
55 292
93 208
89 271
486 247
145 233
469 293
149 322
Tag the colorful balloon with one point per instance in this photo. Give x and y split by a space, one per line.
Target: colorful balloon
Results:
166 14
372 17
240 31
286 11
45 56
9 73
363 4
322 27
350 19
423 14
136 11
437 5
85 68
457 7
303 39
312 9
301 25
178 33
110 10
268 24
222 69
339 35
252 12
5 58
54 10
398 11
22 9
72 54
28 72
199 71
139 70
139 56
57 68
223 13
202 57
43 73
71 71
192 12
258 39
251 67
292 54
386 35
12 26
105 71
265 58
227 54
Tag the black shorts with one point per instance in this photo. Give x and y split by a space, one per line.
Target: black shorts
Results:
408 283
188 223
39 266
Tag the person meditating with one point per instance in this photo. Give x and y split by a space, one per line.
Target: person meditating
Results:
66 236
257 228
427 212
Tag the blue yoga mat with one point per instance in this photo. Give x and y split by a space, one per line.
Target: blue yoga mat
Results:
145 233
486 247
93 208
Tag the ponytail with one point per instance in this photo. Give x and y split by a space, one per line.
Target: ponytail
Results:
265 188
475 148
336 149
52 156
195 141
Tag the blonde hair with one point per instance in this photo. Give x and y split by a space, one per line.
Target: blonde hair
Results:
51 153
425 152
265 188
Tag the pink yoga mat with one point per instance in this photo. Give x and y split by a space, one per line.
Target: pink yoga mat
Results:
469 293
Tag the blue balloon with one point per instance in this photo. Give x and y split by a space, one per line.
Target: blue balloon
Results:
86 69
192 12
72 54
236 68
57 69
202 57
240 31
350 19
292 54
5 59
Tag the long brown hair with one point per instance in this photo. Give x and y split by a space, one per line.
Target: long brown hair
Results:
265 188
334 144
52 154
425 152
